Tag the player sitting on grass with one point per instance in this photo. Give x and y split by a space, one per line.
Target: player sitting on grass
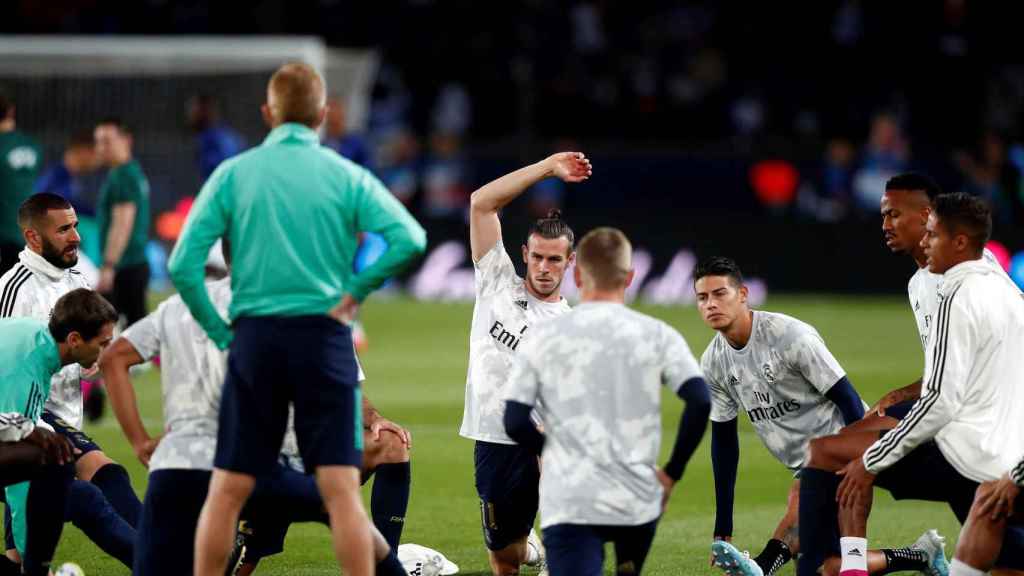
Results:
778 371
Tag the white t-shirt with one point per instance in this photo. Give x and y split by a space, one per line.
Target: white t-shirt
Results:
923 292
597 373
779 379
503 312
192 375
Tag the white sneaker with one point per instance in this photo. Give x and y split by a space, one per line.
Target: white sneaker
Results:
69 569
934 545
534 543
423 561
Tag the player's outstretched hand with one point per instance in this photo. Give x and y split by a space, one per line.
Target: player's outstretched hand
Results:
570 166
883 404
856 478
144 449
56 448
381 424
1000 500
667 483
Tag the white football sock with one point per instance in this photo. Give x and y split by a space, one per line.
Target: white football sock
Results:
958 568
855 556
532 552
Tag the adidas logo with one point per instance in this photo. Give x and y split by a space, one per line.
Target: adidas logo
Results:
522 304
854 552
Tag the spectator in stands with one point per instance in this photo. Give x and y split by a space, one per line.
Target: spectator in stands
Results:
988 173
885 155
20 159
215 140
339 139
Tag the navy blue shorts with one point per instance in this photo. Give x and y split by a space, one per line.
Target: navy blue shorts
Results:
79 440
307 361
578 549
507 482
280 498
167 529
900 411
925 474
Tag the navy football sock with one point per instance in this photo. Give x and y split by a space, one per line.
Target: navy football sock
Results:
390 566
390 499
89 510
44 517
113 480
819 519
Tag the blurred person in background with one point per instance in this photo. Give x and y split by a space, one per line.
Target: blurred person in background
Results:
885 154
20 159
215 140
988 173
338 138
123 216
64 178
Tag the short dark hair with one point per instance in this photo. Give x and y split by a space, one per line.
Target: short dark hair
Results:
719 266
81 139
965 214
915 182
37 205
83 311
115 121
552 226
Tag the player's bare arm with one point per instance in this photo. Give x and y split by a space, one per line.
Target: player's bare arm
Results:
122 218
114 363
484 225
897 396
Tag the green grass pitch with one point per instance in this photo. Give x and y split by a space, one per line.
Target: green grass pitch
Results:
416 368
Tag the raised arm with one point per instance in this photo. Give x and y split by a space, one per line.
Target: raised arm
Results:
484 225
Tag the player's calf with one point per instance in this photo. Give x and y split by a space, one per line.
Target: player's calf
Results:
387 457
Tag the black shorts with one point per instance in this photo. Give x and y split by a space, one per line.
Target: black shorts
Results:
167 529
307 361
507 481
129 291
925 474
79 440
578 549
280 498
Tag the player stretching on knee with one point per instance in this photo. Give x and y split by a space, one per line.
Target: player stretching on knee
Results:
595 375
506 306
778 371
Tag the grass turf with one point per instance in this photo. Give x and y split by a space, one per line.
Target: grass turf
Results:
416 366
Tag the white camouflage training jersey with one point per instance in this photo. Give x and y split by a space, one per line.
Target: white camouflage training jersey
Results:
597 374
779 379
192 375
503 312
923 291
30 289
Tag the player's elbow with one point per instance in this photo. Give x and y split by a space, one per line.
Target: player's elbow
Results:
697 396
479 202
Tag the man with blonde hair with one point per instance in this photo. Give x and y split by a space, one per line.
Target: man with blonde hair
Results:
292 211
596 375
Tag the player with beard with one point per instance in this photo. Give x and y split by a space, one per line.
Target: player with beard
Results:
45 272
507 475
